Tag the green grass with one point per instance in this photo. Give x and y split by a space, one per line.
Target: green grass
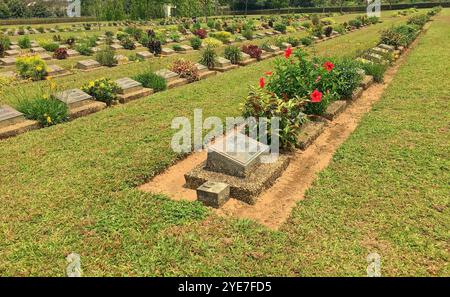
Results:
72 187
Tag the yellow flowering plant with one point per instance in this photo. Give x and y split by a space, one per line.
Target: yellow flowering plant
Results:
103 89
31 67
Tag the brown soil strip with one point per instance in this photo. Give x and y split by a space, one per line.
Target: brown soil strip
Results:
275 205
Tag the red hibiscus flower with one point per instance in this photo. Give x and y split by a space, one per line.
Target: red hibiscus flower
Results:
268 73
328 66
262 82
288 52
316 96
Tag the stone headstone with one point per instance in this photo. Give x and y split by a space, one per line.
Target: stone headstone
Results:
45 56
12 53
128 85
167 51
73 98
88 64
222 62
285 45
116 47
235 154
9 116
37 50
386 47
121 59
8 61
213 194
273 48
167 74
55 70
201 67
72 53
144 55
186 48
14 47
260 35
241 38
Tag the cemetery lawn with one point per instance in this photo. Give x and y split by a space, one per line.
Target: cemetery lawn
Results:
72 187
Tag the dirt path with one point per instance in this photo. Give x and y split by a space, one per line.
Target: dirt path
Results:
275 205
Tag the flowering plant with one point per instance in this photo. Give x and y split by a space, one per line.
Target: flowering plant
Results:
299 77
186 69
60 54
103 89
31 67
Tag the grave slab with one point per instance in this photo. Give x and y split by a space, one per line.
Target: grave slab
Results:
387 47
14 47
213 194
204 72
223 65
121 59
9 116
334 109
72 53
37 50
115 47
12 53
167 51
131 90
74 98
309 132
366 82
56 71
88 64
235 154
244 189
144 55
357 93
246 60
173 79
45 56
8 61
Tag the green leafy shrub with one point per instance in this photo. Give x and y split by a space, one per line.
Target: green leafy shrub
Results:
293 41
375 69
355 23
128 44
47 111
4 44
196 42
419 20
84 49
104 90
306 41
280 27
151 80
50 46
346 77
233 53
155 47
185 69
208 57
106 57
31 67
248 34
261 103
24 42
401 35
